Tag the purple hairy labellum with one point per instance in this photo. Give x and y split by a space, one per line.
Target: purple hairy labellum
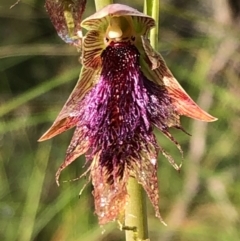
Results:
124 90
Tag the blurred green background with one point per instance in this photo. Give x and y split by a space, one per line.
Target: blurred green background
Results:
200 41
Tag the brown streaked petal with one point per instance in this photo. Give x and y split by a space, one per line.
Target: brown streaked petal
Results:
141 21
142 24
66 16
145 171
183 103
67 117
110 199
99 24
152 55
93 46
58 127
79 145
161 75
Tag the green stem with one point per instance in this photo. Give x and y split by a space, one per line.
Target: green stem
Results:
136 227
152 8
99 4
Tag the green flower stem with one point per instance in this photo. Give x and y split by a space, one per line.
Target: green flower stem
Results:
136 227
152 8
99 4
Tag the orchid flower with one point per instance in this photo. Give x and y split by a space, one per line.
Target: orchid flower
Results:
124 90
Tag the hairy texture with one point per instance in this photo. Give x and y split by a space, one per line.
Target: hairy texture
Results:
115 129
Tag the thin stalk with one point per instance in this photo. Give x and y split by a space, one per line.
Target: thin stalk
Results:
99 4
136 227
152 8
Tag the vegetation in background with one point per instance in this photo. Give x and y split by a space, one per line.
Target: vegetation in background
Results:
200 42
